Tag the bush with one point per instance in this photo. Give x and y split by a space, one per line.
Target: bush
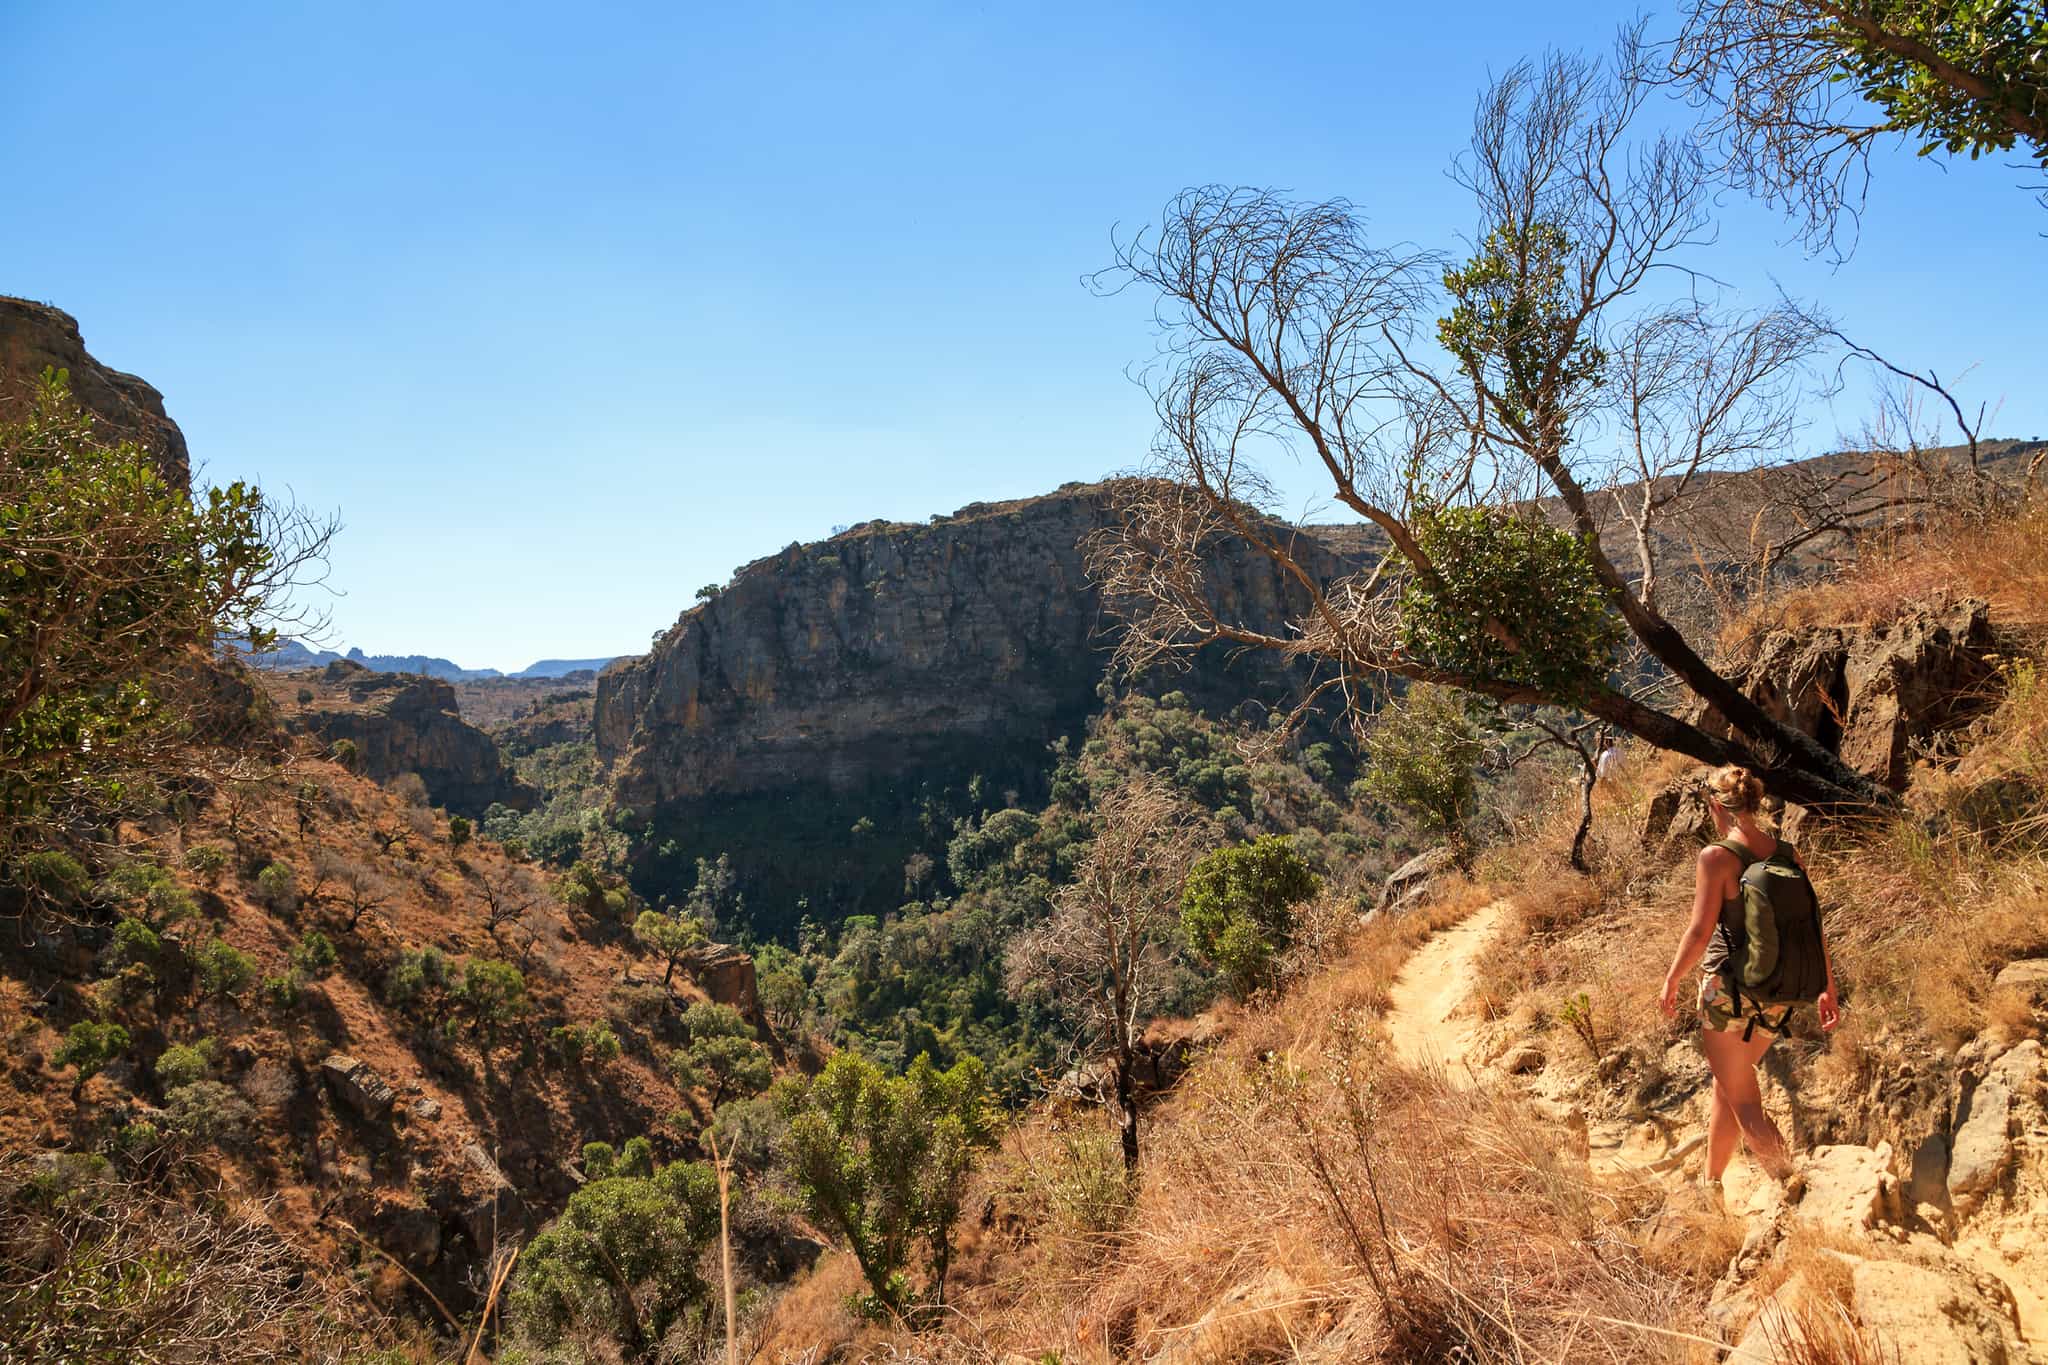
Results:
206 861
313 956
410 788
345 752
158 899
621 1263
305 695
277 886
724 1054
185 1063
581 1042
89 1046
493 994
223 969
282 989
1425 748
51 875
1237 909
207 1111
459 830
884 1160
417 971
134 944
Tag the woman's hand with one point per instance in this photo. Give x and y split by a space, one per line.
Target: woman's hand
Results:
1829 1009
1669 1004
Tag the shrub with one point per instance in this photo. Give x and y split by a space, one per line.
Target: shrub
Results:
416 971
89 1046
600 1162
410 788
345 752
223 969
621 1262
185 1063
1237 909
724 1054
51 875
206 861
1425 748
581 1042
493 994
884 1160
282 989
134 943
305 696
277 886
207 1111
459 830
313 955
671 937
157 898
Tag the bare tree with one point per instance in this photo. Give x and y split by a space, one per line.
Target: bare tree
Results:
360 889
1284 330
509 892
1104 950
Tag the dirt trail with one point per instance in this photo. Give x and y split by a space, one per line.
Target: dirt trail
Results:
1422 1009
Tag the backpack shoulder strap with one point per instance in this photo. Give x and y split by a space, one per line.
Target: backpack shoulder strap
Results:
1733 843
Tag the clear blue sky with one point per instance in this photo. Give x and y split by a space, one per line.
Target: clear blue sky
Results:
571 309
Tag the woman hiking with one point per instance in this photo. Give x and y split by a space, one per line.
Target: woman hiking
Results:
1734 1032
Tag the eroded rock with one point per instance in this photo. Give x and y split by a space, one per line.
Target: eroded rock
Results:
1848 1188
1982 1141
357 1086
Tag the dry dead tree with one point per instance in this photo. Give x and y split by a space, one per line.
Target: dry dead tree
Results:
1286 332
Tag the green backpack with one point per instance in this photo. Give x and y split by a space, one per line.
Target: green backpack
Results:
1775 955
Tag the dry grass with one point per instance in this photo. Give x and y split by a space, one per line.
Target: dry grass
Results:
2000 561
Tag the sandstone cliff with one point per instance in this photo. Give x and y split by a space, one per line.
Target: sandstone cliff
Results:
402 723
34 336
878 651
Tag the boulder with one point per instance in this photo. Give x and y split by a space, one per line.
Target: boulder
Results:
727 976
1523 1060
357 1086
1411 881
1981 1144
2028 976
1924 1317
1848 1188
1871 693
1676 823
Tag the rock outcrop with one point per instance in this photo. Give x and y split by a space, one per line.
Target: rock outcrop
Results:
35 336
1872 693
405 724
884 649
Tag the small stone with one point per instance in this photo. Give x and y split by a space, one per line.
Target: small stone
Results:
1523 1060
426 1109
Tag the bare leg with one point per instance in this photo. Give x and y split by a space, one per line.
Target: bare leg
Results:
1733 1063
1724 1134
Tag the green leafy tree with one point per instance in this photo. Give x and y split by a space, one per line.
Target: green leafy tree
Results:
207 862
155 896
89 1046
672 937
1237 909
621 1263
459 830
1425 753
1799 91
183 1063
277 886
884 1160
113 574
313 955
493 994
222 969
724 1053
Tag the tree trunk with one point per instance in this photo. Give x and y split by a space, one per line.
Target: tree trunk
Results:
1586 781
1126 1110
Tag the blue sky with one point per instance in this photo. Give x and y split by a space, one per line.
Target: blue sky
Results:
570 310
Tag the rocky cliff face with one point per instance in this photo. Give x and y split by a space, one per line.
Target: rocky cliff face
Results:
34 336
886 648
404 724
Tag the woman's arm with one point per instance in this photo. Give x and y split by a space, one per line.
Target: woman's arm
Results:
1708 877
1829 1005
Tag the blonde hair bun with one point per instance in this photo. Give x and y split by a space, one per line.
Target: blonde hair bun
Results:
1736 789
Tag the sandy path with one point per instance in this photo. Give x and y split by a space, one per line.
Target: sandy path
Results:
1422 1010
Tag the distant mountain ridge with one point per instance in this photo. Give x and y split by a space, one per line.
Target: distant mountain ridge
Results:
291 655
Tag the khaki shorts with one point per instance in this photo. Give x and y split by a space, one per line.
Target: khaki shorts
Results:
1717 1015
